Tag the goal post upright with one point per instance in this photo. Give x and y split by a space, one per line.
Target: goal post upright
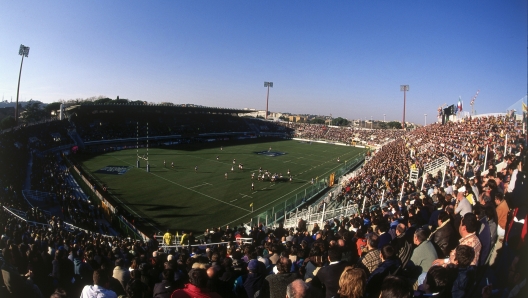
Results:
148 165
137 144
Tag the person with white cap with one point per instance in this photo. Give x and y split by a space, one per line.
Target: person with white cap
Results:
462 205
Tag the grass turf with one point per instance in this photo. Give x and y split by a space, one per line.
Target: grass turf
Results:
181 198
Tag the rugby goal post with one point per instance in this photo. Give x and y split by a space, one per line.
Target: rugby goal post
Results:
138 156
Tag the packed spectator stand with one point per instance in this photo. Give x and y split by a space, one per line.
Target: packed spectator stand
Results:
449 234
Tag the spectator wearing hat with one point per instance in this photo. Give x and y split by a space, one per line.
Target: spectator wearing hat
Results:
255 278
462 205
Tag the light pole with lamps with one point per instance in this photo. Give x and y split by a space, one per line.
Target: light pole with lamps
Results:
425 121
23 51
384 118
404 88
267 84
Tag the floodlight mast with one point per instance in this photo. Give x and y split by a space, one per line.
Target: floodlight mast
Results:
23 51
404 88
267 84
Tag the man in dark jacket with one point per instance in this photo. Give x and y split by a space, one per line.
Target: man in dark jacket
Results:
390 265
165 288
466 274
384 235
255 278
403 248
301 225
275 284
328 277
444 238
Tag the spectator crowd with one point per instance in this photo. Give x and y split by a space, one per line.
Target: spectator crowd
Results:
453 235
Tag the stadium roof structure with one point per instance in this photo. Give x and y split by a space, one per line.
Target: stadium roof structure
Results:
87 108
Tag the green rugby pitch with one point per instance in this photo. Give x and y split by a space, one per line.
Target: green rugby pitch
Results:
181 198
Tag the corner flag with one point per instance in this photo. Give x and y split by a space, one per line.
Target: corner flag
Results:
251 205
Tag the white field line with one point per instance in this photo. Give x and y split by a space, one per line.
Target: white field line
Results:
279 197
182 186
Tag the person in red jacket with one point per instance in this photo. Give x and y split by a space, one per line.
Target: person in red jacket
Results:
197 286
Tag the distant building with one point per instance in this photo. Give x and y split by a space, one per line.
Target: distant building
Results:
262 114
297 119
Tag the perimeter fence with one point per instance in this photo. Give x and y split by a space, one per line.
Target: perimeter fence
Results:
277 212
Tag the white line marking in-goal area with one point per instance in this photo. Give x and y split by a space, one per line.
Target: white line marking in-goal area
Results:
185 188
210 197
243 195
198 185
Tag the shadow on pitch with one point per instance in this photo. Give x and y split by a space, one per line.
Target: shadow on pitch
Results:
157 207
172 215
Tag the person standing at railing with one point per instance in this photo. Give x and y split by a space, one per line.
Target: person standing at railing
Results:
184 239
167 238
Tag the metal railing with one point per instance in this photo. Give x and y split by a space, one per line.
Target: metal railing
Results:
319 217
175 245
29 194
33 223
277 212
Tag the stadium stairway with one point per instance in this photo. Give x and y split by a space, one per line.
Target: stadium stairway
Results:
80 193
76 138
27 183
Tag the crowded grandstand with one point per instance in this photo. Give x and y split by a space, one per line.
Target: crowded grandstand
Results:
439 210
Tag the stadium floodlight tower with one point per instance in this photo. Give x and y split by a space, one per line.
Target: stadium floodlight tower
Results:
384 118
23 51
404 88
425 121
267 84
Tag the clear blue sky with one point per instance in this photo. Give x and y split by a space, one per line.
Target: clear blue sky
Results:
345 58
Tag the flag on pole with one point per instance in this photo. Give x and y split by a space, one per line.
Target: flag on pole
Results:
251 205
525 108
459 104
474 97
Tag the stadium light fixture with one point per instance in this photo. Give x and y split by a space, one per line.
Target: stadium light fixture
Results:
23 51
267 84
404 88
